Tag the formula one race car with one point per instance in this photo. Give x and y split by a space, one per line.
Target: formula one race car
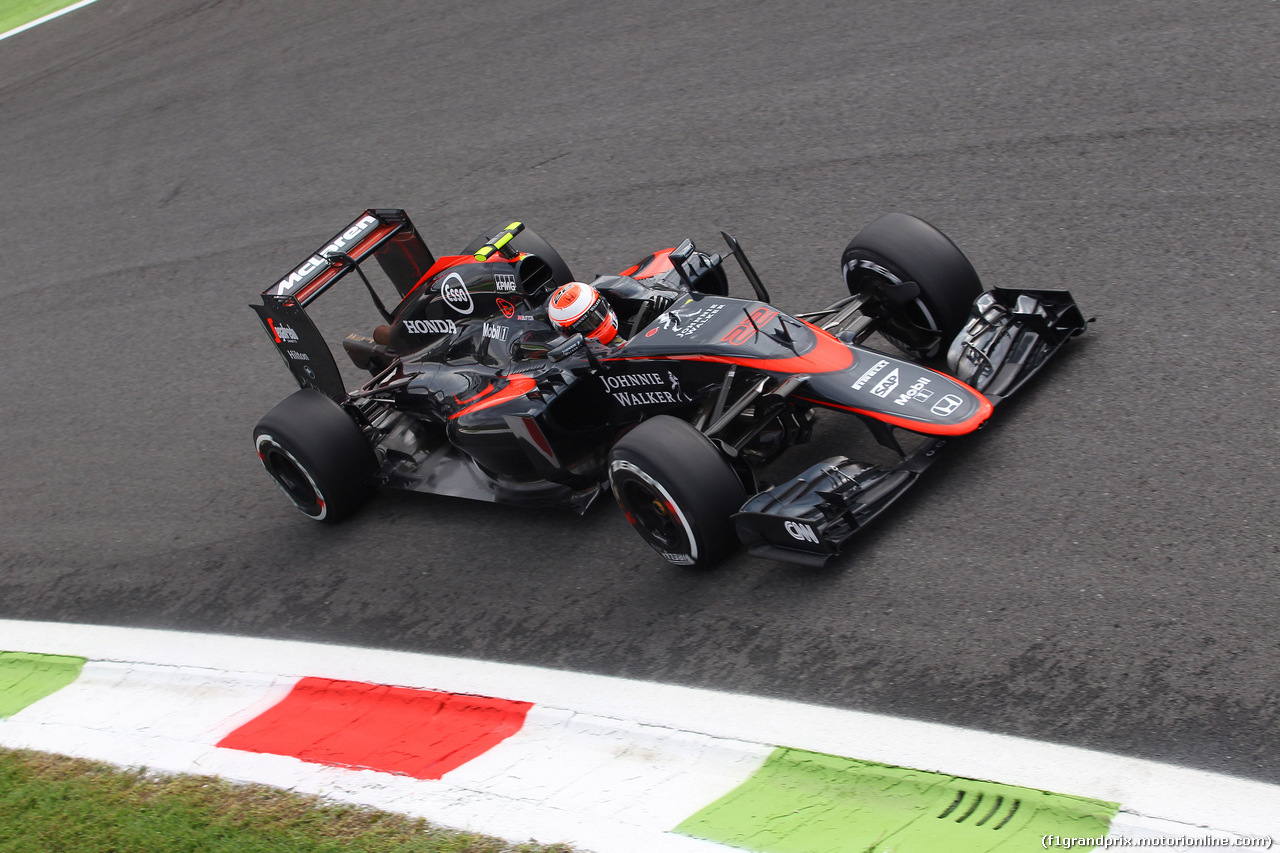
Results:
498 377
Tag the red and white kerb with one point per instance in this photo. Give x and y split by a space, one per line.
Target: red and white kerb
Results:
578 307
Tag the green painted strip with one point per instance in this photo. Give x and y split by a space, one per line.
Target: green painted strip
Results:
15 13
807 802
26 678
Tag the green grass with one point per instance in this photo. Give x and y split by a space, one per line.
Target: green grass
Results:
15 13
50 804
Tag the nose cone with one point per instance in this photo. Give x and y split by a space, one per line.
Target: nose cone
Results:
903 394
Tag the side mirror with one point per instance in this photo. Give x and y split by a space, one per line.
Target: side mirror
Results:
679 257
681 253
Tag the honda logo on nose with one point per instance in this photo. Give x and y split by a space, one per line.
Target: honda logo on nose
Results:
803 532
946 405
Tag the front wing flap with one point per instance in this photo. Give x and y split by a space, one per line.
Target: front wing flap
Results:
1010 335
807 519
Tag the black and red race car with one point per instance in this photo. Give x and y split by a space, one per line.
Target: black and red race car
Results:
475 393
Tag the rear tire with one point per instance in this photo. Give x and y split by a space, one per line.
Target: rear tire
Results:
317 456
678 491
528 241
896 251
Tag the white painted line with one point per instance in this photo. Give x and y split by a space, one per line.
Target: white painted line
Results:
636 775
49 17
1148 789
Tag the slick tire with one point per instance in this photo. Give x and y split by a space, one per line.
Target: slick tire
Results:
678 491
528 241
923 284
317 456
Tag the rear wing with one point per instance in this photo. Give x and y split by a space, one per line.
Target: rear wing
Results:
386 235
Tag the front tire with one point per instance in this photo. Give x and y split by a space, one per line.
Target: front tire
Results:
921 283
317 456
678 491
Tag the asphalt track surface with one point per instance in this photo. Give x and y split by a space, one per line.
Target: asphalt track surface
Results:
1097 568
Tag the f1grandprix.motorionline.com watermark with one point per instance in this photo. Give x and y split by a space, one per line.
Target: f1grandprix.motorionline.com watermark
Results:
1258 842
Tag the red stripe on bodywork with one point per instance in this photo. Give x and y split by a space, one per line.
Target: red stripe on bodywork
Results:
517 386
659 263
827 356
307 293
965 427
473 397
418 733
538 438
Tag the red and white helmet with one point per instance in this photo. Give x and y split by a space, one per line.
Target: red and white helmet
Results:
579 308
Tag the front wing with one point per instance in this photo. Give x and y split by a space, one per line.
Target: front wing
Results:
1010 336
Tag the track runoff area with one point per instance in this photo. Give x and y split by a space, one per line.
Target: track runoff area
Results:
17 16
609 765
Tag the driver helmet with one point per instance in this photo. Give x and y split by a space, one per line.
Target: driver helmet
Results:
578 308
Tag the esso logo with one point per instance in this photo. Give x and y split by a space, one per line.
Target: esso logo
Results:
456 295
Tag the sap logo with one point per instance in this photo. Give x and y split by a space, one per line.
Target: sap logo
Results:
456 295
915 392
872 371
946 405
505 283
284 334
495 331
885 386
431 327
803 532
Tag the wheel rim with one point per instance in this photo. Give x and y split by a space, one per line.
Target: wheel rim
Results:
911 326
291 477
654 514
919 320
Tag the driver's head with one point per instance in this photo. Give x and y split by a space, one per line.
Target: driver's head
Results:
579 308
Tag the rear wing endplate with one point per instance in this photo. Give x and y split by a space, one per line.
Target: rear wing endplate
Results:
386 235
301 346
